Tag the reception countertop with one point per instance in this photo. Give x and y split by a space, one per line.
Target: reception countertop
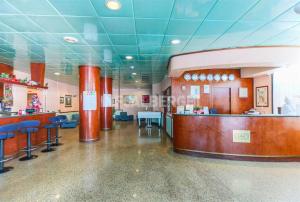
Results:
237 136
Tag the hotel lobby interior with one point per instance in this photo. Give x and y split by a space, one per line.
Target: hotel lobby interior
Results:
149 100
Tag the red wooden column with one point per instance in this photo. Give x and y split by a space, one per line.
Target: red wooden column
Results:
106 105
38 72
89 90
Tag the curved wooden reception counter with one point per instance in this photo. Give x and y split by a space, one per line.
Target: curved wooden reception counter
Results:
13 146
238 136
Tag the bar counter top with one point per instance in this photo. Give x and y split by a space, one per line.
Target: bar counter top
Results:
234 136
14 114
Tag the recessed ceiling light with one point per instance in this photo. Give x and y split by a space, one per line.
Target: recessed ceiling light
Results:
297 8
113 4
175 41
56 73
70 39
129 57
133 73
136 81
132 67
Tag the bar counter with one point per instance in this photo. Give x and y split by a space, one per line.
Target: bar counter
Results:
13 146
262 137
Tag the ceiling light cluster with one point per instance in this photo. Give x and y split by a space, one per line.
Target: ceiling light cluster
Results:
113 4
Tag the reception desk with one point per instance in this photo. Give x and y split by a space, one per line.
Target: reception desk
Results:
262 137
13 146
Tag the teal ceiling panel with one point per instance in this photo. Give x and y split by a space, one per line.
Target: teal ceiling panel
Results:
77 8
230 9
33 8
267 10
35 31
6 8
119 25
195 9
53 24
101 9
19 23
119 39
182 27
87 25
153 8
151 26
150 40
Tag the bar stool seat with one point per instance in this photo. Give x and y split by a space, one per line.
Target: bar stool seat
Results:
6 132
29 127
53 124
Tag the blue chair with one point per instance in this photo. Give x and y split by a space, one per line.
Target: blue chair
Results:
54 123
124 117
29 127
6 132
60 120
69 124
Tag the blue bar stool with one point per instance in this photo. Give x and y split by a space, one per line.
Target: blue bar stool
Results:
6 132
60 119
29 127
54 123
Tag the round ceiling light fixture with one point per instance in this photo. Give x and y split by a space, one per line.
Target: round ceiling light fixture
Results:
175 41
133 73
113 4
132 67
297 9
56 73
129 57
70 39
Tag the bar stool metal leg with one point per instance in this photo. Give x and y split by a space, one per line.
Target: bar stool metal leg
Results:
48 143
57 143
28 150
2 168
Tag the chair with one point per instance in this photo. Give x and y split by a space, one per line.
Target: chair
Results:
6 132
54 123
29 127
65 123
124 117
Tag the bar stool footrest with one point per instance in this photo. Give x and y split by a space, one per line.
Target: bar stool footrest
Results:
56 144
26 158
48 150
31 149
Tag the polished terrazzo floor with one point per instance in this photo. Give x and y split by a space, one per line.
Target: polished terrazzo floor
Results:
132 165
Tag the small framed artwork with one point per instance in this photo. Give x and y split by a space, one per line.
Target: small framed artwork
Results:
262 96
146 99
68 100
129 99
61 100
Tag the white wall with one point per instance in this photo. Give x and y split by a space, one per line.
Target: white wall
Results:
48 97
132 109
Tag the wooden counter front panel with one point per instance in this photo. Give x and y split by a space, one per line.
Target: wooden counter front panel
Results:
270 136
13 145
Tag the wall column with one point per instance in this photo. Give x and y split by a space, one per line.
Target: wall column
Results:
89 103
106 105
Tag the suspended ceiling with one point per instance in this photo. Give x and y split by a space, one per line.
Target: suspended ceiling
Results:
33 31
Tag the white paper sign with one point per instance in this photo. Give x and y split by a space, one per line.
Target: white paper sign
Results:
195 91
243 92
241 136
89 100
106 100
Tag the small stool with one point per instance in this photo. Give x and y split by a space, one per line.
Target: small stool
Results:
60 119
29 127
6 132
53 124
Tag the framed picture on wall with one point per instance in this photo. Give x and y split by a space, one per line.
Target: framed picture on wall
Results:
146 99
61 100
129 99
262 96
68 100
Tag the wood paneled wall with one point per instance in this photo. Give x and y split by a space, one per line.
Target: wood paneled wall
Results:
238 105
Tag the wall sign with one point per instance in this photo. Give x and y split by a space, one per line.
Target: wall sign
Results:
206 89
195 92
106 100
89 100
243 92
241 136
